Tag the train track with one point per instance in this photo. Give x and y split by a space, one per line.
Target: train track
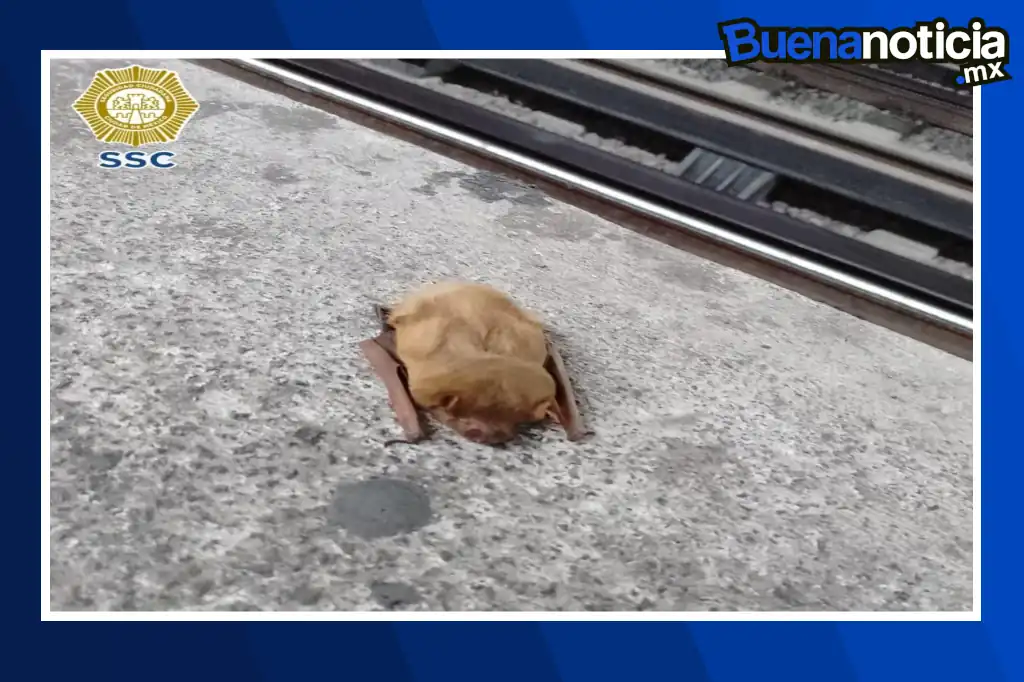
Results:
892 158
721 187
920 90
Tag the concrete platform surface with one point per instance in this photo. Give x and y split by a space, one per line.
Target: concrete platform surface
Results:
217 440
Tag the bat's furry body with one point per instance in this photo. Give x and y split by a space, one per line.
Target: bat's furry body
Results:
474 358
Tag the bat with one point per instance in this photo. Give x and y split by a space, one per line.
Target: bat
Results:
472 358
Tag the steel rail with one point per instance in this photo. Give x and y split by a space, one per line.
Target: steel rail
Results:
566 84
574 181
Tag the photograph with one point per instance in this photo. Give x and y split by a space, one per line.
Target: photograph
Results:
435 337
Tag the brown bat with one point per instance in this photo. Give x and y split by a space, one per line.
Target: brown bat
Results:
470 356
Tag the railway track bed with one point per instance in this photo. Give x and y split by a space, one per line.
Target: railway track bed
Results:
906 240
919 91
894 136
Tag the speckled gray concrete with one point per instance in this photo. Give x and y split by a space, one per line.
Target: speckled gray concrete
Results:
214 427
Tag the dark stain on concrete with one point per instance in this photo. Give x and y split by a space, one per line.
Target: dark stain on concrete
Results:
279 175
394 595
488 187
380 508
307 595
310 434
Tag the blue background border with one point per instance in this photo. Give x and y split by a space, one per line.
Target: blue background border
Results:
515 651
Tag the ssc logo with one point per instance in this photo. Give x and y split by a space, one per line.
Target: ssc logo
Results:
136 106
137 160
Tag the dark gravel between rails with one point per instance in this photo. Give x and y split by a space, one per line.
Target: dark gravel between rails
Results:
786 92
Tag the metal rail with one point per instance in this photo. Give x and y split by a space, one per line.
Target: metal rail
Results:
934 81
731 236
932 104
902 157
565 84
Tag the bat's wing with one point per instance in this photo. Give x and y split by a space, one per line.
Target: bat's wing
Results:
569 413
380 352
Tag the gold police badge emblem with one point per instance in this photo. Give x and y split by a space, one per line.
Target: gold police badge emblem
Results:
136 106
